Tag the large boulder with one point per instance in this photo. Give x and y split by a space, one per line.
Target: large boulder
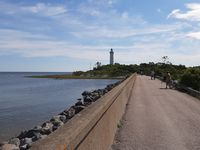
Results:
26 143
57 122
37 128
27 134
63 118
57 125
78 108
24 147
87 99
14 141
22 134
86 93
37 137
70 112
79 103
55 119
47 128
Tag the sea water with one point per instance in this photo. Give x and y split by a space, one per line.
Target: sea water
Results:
26 102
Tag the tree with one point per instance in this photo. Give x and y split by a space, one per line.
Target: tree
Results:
97 65
164 59
191 78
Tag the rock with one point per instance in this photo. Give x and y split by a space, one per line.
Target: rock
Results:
37 128
95 96
26 141
22 134
57 125
70 112
27 134
37 137
63 118
64 113
55 118
86 93
14 141
108 88
106 91
99 92
87 99
78 108
24 147
9 147
79 103
87 103
30 133
43 136
47 128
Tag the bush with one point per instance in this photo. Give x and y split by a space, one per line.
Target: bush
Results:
191 78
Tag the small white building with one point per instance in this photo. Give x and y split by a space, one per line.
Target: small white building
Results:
111 57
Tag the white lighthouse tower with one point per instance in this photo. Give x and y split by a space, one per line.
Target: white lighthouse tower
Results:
111 57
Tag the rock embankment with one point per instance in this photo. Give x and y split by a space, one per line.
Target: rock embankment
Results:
26 138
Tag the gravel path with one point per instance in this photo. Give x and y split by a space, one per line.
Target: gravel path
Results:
159 119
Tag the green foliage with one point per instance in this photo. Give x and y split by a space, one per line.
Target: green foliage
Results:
187 76
77 73
117 70
114 70
191 78
161 68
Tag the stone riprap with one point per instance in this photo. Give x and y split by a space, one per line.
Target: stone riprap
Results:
26 138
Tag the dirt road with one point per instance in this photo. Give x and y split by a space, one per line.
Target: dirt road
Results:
159 119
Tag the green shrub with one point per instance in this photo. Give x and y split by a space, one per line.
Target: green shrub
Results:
191 78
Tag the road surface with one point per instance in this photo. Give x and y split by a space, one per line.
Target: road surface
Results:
159 119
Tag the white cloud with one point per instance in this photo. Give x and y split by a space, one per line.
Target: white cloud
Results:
189 60
173 13
31 45
133 39
102 3
45 9
89 10
195 35
193 14
124 32
39 8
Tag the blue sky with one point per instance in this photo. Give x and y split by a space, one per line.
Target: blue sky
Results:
69 35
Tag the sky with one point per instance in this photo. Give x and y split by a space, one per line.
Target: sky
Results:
70 35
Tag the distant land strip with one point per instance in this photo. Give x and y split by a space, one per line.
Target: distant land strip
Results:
70 76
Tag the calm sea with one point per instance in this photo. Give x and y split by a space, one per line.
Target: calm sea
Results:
26 102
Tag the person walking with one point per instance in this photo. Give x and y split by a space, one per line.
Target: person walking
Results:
152 75
168 80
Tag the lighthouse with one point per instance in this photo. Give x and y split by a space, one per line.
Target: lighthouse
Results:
111 57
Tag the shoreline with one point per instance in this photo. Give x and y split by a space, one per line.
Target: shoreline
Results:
67 76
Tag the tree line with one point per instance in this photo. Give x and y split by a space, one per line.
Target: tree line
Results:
187 76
